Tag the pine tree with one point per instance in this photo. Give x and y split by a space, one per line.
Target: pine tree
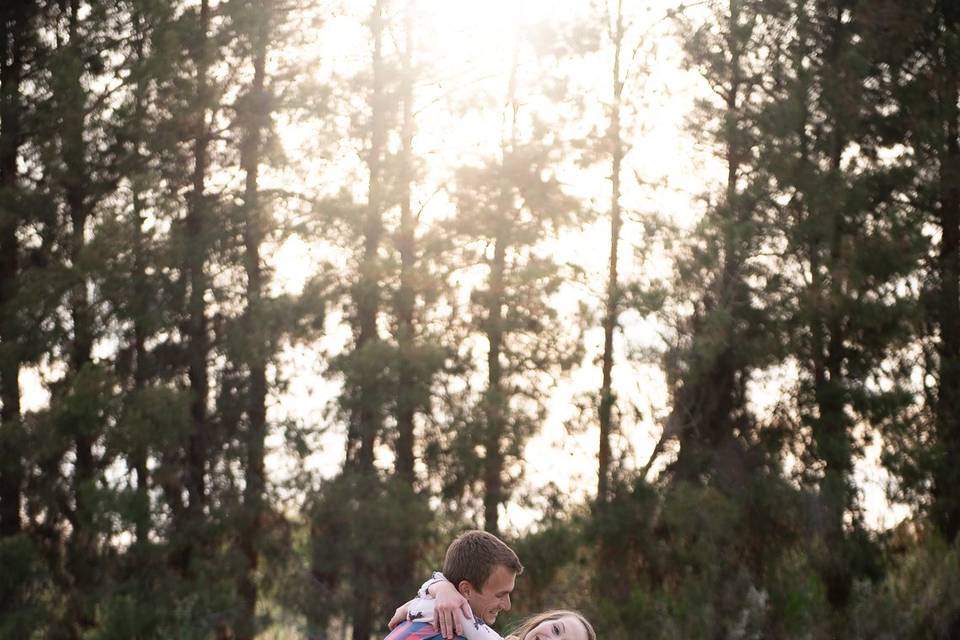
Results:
13 39
81 549
79 173
406 241
19 613
943 86
506 208
917 54
197 225
722 341
365 410
418 357
610 318
255 122
844 226
363 400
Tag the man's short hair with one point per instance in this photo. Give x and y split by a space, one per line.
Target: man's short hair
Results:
474 554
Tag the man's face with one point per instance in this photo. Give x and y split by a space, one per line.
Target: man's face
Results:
494 597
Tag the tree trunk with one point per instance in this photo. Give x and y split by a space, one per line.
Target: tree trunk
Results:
831 427
366 413
197 227
704 408
254 507
12 34
406 297
81 544
946 486
613 288
365 423
140 295
497 402
408 390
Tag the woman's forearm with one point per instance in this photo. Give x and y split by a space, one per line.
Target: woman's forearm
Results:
421 609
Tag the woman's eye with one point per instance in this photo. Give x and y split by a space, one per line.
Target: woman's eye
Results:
556 629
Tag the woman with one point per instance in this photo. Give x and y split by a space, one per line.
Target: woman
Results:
557 624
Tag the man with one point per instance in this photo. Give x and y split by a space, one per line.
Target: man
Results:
479 573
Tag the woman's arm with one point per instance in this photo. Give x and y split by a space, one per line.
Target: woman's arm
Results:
449 608
424 609
400 614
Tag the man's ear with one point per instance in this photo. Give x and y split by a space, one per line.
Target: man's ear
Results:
465 588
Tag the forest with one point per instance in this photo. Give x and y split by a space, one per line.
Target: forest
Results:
664 293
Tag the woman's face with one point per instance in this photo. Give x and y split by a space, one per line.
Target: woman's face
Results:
563 628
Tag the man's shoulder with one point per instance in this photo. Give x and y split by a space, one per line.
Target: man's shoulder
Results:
416 630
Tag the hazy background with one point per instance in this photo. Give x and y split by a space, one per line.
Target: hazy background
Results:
665 294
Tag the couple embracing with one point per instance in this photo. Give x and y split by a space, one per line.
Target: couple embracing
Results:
479 572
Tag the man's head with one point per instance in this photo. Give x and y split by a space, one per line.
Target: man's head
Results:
484 570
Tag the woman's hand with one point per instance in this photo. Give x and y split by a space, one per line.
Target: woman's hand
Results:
399 615
450 609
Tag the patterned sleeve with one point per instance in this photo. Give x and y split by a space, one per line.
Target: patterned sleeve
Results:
432 580
421 610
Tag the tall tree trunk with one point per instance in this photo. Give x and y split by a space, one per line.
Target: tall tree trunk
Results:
401 577
13 27
197 228
497 402
365 423
253 508
609 555
366 413
140 295
81 544
831 427
703 411
946 487
613 288
406 297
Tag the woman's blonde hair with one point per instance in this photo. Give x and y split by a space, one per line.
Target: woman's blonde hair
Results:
530 623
